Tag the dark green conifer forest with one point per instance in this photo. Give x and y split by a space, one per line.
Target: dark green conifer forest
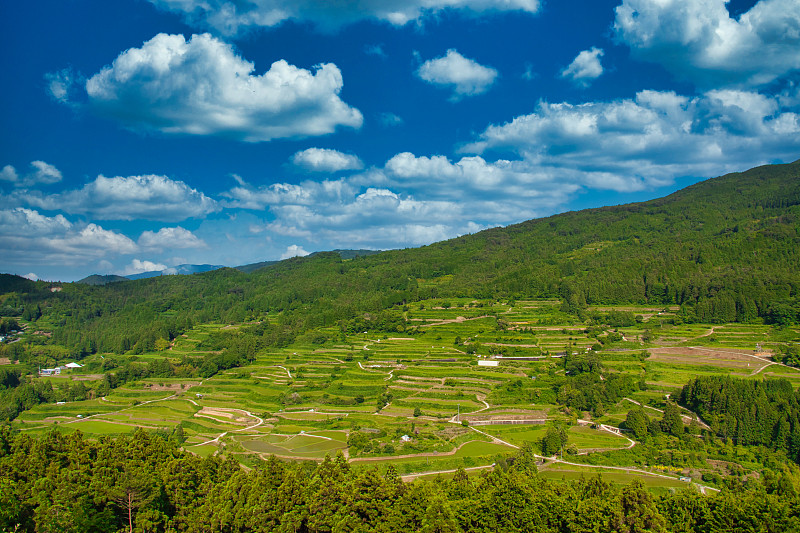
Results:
144 482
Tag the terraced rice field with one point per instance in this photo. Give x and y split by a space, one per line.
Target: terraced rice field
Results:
401 398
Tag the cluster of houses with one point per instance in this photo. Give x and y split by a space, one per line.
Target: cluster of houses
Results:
57 370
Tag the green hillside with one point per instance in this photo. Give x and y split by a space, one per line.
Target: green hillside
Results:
99 279
724 250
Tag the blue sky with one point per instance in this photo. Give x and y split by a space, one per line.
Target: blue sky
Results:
143 134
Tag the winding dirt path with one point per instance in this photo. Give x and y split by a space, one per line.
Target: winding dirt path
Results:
494 439
248 413
118 411
758 358
286 369
412 455
412 477
621 468
456 320
684 417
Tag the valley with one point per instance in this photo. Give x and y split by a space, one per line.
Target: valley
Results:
636 364
420 399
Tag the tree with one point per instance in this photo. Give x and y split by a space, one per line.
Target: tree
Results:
161 344
553 441
179 435
672 422
525 459
134 490
639 512
637 421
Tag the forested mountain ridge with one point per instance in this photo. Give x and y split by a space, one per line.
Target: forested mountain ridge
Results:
726 249
684 248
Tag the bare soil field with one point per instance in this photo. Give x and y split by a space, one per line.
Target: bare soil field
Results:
233 416
88 377
728 357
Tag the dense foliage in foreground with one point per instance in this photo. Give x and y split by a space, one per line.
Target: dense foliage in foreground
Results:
146 483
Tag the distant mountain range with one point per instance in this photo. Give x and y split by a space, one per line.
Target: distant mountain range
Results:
178 270
99 279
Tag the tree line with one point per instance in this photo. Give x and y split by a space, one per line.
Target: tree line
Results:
144 482
750 412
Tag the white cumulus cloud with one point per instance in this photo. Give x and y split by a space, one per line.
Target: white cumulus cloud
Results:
29 237
326 160
148 197
231 16
309 192
698 40
585 67
9 174
501 191
41 173
464 76
632 144
413 200
170 238
201 87
138 266
294 251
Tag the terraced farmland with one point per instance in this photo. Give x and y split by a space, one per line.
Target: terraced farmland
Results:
420 399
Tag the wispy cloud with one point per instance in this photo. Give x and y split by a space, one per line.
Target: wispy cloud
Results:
390 119
229 17
41 173
374 50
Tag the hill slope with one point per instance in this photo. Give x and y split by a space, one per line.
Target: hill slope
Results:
344 254
101 279
726 249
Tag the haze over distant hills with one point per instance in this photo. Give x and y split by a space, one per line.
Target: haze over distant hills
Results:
99 279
